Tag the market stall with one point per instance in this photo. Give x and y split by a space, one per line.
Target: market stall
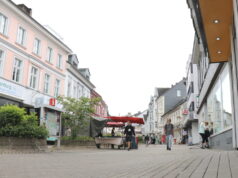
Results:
97 124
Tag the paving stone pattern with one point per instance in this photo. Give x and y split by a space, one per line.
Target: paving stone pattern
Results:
152 161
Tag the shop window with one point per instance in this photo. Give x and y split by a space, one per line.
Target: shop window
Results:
219 103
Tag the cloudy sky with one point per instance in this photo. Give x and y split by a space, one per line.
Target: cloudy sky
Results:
130 46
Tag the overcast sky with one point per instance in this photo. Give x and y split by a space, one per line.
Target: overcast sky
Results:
130 46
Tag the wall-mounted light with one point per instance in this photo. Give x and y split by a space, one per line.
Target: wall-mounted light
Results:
216 21
219 52
218 38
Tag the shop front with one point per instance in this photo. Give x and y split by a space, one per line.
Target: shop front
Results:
219 111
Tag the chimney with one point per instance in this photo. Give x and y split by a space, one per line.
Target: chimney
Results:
25 9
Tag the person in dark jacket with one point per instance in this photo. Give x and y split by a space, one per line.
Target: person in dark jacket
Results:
129 132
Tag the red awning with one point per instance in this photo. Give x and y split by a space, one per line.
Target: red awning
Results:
124 119
115 124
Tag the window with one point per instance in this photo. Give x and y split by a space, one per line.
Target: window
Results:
178 93
17 70
3 24
1 60
57 87
21 36
34 77
47 84
50 54
59 61
219 103
75 90
36 48
69 87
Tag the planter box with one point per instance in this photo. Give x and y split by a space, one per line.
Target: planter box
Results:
15 143
77 143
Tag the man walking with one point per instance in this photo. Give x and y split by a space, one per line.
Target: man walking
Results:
169 132
129 131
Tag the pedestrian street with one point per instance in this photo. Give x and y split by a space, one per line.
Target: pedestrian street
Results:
152 161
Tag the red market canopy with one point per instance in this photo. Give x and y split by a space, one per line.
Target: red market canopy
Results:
115 124
124 119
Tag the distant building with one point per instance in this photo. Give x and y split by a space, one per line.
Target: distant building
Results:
140 128
177 114
77 83
101 110
167 99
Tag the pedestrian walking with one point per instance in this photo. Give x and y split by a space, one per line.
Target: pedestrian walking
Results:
169 132
129 132
113 132
147 139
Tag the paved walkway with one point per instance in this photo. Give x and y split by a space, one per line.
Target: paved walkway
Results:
152 161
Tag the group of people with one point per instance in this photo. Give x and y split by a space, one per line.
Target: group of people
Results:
205 131
150 139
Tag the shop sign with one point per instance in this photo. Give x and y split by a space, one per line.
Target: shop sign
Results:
52 101
185 112
10 89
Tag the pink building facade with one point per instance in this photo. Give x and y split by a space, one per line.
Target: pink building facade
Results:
32 65
101 109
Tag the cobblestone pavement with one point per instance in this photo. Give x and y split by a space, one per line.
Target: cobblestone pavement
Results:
152 161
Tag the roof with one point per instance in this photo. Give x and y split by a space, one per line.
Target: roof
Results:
179 103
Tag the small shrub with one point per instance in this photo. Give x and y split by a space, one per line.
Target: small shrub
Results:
11 115
14 122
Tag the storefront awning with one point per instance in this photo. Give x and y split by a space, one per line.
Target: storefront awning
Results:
217 17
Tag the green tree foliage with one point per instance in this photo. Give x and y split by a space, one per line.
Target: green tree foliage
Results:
77 112
14 122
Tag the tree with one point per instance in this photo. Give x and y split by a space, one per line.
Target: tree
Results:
77 112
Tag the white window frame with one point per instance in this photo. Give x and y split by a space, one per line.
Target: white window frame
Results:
21 38
47 83
36 46
49 54
34 77
57 88
3 24
59 61
179 93
17 68
2 60
69 86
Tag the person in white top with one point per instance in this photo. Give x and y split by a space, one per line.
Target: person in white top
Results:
206 134
202 133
